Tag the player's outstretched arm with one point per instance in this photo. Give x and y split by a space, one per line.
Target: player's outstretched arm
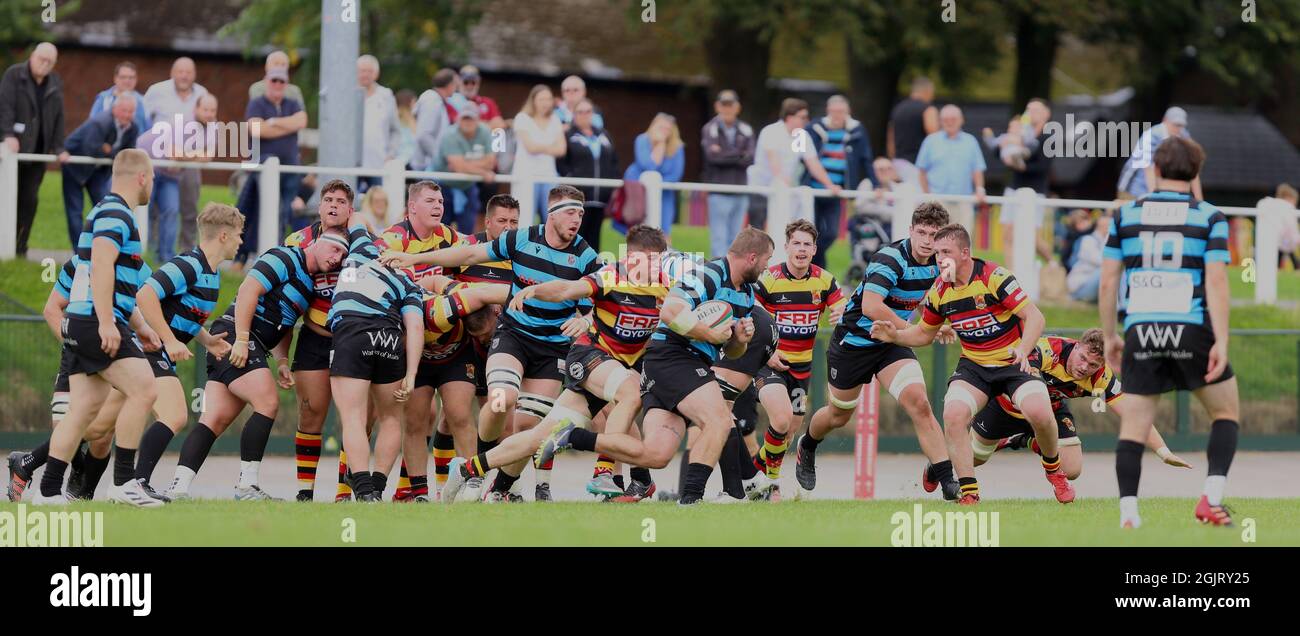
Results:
918 335
873 307
413 322
150 308
679 317
476 298
1216 299
436 283
554 291
447 257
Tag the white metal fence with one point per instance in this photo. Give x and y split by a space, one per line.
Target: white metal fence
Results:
782 203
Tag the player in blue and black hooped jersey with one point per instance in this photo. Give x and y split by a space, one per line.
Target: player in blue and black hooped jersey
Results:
1166 261
678 385
894 285
525 361
176 302
108 269
275 294
377 318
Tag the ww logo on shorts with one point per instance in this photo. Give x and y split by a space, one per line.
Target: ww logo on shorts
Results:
1159 336
384 339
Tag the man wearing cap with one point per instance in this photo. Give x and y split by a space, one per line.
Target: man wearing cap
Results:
466 149
728 146
1139 175
471 82
274 121
380 132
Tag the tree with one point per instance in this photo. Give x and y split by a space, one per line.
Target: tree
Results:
412 39
23 23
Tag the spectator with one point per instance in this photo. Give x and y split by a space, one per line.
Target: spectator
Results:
280 60
659 148
540 137
572 91
728 146
103 136
911 121
279 119
433 115
873 218
845 152
173 101
590 155
1034 173
1139 174
380 132
776 160
1084 278
879 205
1078 224
471 82
160 144
1288 240
374 209
31 120
124 80
406 125
951 162
466 149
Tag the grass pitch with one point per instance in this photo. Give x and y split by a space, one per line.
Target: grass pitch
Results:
1166 522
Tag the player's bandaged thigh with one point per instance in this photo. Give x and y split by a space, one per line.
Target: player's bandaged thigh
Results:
535 404
961 395
561 413
503 379
1069 441
59 405
615 379
1027 389
908 375
982 451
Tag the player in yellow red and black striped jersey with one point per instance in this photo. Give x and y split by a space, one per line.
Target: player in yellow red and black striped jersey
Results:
502 216
796 293
314 342
998 327
602 366
1071 369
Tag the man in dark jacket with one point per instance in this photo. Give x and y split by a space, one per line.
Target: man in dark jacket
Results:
728 146
845 152
31 120
590 155
103 135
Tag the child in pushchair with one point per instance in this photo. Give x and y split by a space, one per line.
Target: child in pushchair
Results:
869 230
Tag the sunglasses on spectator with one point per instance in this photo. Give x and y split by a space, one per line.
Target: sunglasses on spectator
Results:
279 81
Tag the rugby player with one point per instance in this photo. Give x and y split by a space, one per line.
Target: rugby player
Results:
176 301
678 384
797 293
998 327
376 310
311 355
894 285
104 353
1166 262
526 358
275 294
1072 369
602 367
743 472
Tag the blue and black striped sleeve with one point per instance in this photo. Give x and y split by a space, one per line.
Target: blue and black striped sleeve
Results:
883 272
1114 250
114 225
63 284
174 277
503 248
272 269
697 289
412 298
1216 246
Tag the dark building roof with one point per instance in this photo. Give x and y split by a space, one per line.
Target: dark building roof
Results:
160 25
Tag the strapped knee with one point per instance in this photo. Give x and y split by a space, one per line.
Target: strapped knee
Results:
562 413
982 451
615 380
535 405
503 379
961 396
910 374
59 405
1028 389
844 405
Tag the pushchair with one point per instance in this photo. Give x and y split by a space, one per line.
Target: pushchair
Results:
867 234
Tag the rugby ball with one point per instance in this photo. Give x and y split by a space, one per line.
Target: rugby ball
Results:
714 313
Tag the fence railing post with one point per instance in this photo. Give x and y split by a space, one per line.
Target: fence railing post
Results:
522 190
654 198
1182 412
268 205
938 377
1268 214
779 202
1026 241
395 188
905 200
8 203
804 195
